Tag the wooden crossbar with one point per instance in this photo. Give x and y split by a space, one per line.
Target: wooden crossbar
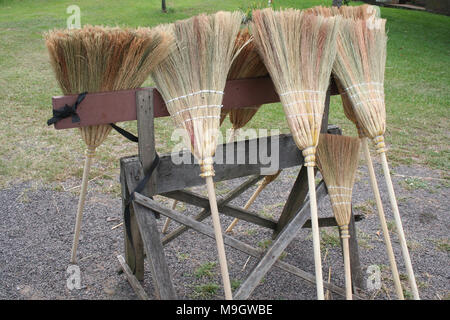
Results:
118 106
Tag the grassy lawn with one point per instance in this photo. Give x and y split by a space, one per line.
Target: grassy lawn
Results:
417 87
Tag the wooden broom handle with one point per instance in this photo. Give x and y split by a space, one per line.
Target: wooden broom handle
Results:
348 274
90 152
219 238
387 238
315 233
247 205
398 223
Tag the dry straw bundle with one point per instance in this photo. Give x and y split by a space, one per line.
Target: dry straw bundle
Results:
338 160
95 59
247 64
298 50
359 68
191 81
364 11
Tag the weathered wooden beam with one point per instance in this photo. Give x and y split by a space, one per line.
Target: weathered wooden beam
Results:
119 106
171 177
206 212
147 222
277 248
295 199
227 209
331 221
230 241
134 248
232 160
137 288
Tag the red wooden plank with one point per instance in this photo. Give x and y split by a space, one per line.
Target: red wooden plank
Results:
119 106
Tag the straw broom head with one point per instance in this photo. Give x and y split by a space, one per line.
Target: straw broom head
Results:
95 59
364 11
338 160
192 78
248 64
359 67
298 50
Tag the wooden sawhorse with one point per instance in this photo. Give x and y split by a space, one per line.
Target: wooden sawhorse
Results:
170 180
145 104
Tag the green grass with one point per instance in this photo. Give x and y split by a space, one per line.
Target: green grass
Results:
414 184
417 82
235 284
442 244
205 291
205 270
329 237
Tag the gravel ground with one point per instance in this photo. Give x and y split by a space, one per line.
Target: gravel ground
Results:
36 234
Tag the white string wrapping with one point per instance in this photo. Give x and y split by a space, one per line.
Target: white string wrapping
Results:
203 117
364 84
200 107
304 114
352 96
298 101
193 94
301 91
368 100
338 187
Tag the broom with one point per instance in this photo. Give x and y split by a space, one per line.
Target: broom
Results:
95 59
223 115
348 111
365 12
338 161
247 64
359 67
298 50
191 81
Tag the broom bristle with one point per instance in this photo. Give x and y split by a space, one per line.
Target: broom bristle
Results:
192 78
95 59
359 67
338 160
248 64
298 50
364 11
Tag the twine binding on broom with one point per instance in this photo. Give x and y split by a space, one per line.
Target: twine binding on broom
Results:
379 144
309 155
344 232
193 94
207 167
200 107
